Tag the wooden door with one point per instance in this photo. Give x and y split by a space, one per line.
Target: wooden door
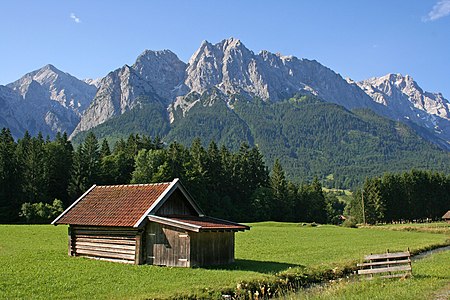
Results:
150 242
183 255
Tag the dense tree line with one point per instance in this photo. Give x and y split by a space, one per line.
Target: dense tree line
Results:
409 196
230 184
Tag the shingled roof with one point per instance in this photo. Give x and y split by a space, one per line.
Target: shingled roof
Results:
129 206
115 205
446 216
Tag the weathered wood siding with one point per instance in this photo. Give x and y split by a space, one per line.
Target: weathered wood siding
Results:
176 205
211 248
167 246
107 243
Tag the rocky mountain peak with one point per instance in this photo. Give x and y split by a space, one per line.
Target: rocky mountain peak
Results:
232 44
163 70
50 100
120 91
403 99
395 85
50 67
234 69
216 72
61 87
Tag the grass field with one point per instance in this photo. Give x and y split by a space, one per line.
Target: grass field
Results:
34 261
431 279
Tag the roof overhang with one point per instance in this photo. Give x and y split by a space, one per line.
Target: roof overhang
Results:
187 224
174 223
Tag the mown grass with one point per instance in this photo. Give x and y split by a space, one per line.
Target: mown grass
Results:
311 246
34 261
431 280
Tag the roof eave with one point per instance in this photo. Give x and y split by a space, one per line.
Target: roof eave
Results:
175 223
233 223
71 206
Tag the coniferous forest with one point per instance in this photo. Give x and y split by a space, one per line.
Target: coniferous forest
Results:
40 177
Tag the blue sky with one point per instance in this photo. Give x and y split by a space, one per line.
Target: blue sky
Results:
357 39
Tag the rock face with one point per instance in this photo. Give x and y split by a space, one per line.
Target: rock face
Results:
232 69
162 70
68 91
9 101
118 92
49 101
404 100
155 76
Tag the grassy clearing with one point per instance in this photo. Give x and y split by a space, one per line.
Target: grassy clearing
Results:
35 263
343 195
431 278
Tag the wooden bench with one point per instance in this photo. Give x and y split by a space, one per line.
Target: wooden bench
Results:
388 265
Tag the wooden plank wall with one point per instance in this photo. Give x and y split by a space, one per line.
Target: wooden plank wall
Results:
177 204
212 248
107 243
167 246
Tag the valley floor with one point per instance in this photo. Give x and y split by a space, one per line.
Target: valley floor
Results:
35 264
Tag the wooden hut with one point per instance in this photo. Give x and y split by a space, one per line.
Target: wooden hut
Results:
158 224
446 217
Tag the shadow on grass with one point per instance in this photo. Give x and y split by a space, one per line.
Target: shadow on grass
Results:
426 276
266 267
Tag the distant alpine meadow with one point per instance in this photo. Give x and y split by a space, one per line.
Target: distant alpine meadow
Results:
35 265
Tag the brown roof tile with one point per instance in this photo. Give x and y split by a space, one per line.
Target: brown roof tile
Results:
446 216
116 205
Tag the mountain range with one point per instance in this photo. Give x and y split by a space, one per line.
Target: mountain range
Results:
159 92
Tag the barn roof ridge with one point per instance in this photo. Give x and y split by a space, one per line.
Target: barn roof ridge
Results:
133 185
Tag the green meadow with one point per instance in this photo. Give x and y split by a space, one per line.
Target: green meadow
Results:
431 280
34 262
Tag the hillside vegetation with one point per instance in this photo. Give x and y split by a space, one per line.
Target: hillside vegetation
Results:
310 137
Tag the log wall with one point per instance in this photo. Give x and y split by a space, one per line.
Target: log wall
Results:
107 243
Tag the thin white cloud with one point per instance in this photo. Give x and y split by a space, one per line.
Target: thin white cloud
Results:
75 18
440 9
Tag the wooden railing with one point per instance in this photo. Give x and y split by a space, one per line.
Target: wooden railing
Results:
388 265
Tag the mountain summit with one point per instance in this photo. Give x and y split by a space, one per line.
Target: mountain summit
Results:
405 101
50 100
233 69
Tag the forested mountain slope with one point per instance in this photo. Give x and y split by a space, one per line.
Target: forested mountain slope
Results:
309 136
